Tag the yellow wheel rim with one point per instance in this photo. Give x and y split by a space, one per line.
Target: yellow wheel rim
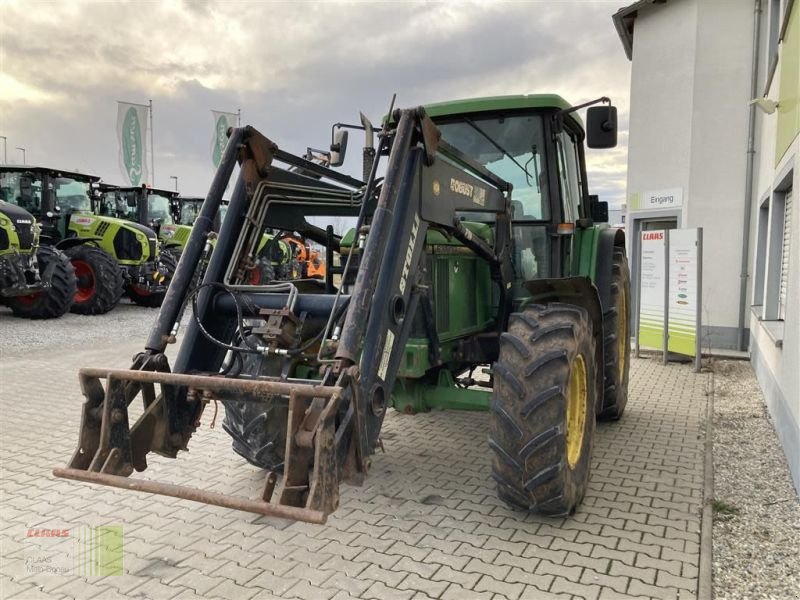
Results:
622 336
577 389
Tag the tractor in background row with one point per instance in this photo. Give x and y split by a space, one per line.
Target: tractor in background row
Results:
146 209
479 247
109 255
36 282
273 257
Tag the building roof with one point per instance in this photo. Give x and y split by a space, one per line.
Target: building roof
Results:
624 19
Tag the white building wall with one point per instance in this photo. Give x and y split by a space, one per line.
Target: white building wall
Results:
662 92
719 120
775 345
690 79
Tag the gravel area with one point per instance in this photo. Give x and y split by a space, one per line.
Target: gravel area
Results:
126 322
756 508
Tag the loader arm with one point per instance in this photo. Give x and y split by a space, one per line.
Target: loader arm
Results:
354 338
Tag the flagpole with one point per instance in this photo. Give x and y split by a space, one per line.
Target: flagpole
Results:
152 153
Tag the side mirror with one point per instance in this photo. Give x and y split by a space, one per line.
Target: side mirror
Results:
601 126
338 148
599 209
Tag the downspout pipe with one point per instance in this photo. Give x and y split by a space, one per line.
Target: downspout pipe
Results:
748 181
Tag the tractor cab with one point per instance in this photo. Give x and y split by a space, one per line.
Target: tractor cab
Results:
52 196
140 204
535 143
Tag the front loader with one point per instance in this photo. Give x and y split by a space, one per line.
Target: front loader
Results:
479 248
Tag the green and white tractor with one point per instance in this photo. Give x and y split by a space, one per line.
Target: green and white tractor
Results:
36 282
109 255
273 258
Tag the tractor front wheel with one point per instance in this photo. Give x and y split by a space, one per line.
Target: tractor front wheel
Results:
258 429
142 296
54 301
100 282
542 415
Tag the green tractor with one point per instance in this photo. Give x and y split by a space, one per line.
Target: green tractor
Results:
273 256
479 250
148 209
109 255
36 282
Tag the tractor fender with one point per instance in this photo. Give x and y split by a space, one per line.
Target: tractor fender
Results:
71 242
578 291
608 239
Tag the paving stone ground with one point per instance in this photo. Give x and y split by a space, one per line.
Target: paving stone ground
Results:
426 524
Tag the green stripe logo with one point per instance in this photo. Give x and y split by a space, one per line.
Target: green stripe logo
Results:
98 551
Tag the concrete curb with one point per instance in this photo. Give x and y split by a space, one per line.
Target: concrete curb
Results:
705 587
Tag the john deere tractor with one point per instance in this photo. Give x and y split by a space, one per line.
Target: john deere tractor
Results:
479 250
36 282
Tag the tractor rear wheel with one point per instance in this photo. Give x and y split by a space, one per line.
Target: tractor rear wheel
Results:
616 341
258 429
542 412
262 274
55 300
100 282
142 296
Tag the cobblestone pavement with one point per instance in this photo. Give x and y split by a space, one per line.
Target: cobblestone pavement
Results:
425 525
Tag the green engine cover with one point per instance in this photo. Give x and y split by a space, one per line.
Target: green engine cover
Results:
129 243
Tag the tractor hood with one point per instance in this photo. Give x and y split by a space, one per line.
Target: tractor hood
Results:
22 222
88 221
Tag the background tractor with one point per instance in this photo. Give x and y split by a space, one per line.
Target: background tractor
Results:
35 282
479 248
61 202
274 259
146 210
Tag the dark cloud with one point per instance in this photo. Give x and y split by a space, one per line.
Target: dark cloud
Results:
293 69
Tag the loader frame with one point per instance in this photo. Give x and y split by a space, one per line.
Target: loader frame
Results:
335 418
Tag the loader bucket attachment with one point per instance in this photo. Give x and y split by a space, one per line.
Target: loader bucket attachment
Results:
110 449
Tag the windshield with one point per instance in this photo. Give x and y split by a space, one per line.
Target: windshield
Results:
73 196
158 208
11 192
189 211
512 148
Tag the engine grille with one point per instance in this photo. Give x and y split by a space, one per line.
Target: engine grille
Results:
25 234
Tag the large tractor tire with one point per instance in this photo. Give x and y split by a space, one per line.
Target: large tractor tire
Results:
100 283
142 296
542 416
262 274
258 429
56 300
617 341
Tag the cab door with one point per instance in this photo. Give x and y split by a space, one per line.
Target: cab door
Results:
571 190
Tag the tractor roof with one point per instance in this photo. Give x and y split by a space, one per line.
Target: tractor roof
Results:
58 172
128 188
496 103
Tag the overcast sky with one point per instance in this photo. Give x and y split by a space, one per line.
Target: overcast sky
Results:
292 67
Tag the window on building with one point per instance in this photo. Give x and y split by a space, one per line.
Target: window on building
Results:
786 242
777 253
761 252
